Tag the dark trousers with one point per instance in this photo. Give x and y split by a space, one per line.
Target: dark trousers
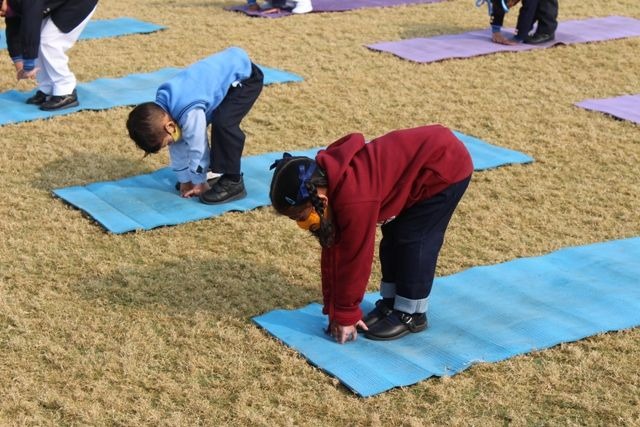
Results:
227 139
411 242
545 12
497 17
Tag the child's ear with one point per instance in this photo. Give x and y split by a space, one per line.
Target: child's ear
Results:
324 199
170 126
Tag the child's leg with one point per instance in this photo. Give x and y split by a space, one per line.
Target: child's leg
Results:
421 230
384 306
419 234
526 18
547 16
387 262
57 78
227 139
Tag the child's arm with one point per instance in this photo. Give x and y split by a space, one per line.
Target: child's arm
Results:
190 155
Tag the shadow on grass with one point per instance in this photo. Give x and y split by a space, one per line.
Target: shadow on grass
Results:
86 168
413 31
224 287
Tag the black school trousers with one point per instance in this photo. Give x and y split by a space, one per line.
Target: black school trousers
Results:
227 139
545 12
411 243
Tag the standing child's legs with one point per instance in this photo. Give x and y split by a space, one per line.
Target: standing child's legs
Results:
526 18
54 77
547 17
408 255
227 139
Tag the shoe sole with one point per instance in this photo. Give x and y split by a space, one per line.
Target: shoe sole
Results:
395 337
73 104
238 196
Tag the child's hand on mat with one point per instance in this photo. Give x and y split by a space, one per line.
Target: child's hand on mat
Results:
21 74
343 334
188 189
501 39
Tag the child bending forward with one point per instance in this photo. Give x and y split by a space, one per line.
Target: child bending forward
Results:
218 90
409 182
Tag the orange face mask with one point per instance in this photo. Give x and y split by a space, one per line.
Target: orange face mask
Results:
311 223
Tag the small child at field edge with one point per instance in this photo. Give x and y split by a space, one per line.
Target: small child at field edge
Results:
409 182
218 90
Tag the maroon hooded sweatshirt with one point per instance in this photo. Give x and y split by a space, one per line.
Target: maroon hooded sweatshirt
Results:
370 183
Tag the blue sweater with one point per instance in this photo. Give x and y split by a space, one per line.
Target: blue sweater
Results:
190 98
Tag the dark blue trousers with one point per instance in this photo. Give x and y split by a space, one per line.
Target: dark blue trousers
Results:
227 139
411 242
545 12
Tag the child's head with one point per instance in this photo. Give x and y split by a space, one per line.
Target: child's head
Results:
151 128
294 193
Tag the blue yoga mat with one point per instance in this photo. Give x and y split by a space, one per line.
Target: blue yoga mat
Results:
151 200
484 314
102 94
109 28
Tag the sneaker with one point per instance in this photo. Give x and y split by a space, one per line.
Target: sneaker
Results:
224 190
59 102
302 6
38 98
396 325
381 311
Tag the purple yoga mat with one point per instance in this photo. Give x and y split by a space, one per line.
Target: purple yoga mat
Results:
479 42
625 107
333 6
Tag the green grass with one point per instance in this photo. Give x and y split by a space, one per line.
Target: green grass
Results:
153 328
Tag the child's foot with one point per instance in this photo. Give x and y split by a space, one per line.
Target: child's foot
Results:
59 102
539 38
224 190
302 6
38 98
396 325
253 7
381 311
501 39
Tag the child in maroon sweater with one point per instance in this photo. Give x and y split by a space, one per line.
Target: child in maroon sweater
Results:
410 182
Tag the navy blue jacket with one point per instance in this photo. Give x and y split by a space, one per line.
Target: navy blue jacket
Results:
23 26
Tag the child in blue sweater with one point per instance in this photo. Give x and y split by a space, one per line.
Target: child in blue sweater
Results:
218 90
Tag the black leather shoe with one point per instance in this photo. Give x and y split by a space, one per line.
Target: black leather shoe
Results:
382 310
396 325
539 38
56 102
224 190
38 98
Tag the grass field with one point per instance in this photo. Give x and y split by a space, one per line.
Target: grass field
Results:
153 328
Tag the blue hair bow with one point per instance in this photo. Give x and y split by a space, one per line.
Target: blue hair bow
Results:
304 176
